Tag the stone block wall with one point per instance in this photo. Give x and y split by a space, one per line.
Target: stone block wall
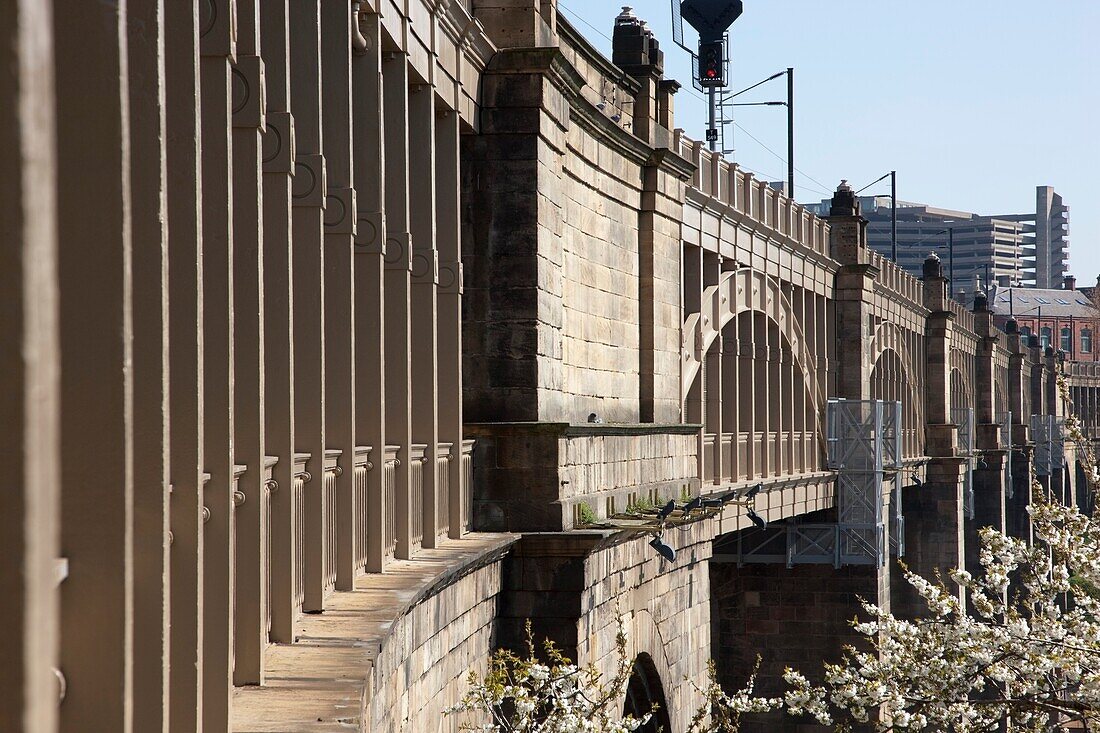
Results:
423 666
796 617
571 246
600 198
576 589
663 607
609 472
534 476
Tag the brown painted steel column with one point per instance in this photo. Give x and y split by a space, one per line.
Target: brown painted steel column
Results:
424 266
185 356
95 271
250 601
29 369
449 242
395 82
340 219
145 20
370 237
217 52
278 169
310 190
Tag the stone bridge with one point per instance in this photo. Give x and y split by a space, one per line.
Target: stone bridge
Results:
343 338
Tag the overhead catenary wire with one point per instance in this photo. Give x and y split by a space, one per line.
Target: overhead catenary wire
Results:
822 188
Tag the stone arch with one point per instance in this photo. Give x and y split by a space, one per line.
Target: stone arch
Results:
888 336
737 292
888 349
645 693
891 380
999 405
960 390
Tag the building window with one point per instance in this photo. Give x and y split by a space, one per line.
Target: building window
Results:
1025 332
1067 340
1086 340
1044 336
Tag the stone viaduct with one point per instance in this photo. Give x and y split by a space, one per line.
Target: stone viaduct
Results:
342 337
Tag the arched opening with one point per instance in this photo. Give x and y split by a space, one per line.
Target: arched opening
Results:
755 397
643 693
960 392
1085 500
890 381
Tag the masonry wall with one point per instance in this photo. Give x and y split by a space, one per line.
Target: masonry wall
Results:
572 300
578 588
424 665
791 617
600 197
664 609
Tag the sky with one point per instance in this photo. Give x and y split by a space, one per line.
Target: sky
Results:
973 102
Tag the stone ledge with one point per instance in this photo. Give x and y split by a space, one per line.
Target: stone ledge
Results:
324 681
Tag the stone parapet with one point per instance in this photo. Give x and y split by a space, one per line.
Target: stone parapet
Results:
535 476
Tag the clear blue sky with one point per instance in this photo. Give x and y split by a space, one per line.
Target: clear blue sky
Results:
973 102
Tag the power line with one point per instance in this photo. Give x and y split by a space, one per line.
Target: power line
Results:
823 189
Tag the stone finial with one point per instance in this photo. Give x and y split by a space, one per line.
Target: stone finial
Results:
626 17
932 266
634 48
1011 326
845 202
981 302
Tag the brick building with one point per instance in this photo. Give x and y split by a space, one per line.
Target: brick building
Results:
1066 319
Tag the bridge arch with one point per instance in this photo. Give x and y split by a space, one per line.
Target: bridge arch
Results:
960 390
743 291
645 693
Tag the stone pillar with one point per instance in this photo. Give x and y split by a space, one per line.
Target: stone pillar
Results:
934 512
97 441
145 47
731 415
989 478
249 446
448 232
185 356
424 266
852 312
278 288
512 251
637 52
852 294
217 49
370 251
661 313
29 371
340 217
397 286
310 193
518 23
711 375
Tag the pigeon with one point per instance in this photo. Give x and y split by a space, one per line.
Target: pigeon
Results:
664 550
